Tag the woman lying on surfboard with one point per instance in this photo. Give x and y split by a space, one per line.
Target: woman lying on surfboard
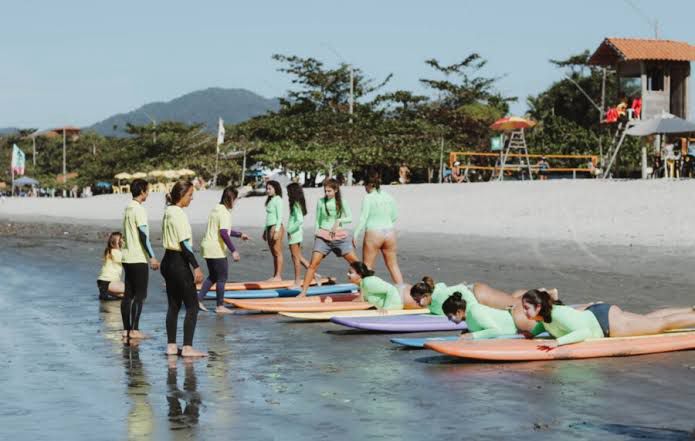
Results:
432 295
483 321
569 325
376 291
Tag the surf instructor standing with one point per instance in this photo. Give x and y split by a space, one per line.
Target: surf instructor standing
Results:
137 252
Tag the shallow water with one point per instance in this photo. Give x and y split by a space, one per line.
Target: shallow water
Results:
68 376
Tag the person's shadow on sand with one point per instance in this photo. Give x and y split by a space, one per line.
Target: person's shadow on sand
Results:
188 414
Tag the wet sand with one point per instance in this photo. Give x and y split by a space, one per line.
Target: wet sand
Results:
66 374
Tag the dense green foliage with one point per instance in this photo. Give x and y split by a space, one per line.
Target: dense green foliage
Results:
313 130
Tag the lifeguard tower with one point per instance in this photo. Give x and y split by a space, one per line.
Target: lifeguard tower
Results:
658 70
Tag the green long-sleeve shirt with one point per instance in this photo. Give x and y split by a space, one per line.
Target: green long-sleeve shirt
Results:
570 325
486 322
273 212
295 225
442 292
380 294
378 212
326 214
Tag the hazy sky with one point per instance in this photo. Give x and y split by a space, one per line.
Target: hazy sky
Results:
78 62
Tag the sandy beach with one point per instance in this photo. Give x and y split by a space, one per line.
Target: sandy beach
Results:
645 212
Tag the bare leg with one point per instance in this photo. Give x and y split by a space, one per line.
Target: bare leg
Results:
522 323
188 351
296 252
494 298
669 311
117 288
408 302
371 244
276 250
316 259
390 252
627 324
351 257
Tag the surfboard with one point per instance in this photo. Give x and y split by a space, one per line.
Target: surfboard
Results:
264 284
403 323
272 293
313 304
420 342
326 316
528 350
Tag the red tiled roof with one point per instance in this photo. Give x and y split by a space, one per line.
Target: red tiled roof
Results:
613 50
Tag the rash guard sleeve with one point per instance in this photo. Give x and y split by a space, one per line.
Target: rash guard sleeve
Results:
187 251
224 234
145 240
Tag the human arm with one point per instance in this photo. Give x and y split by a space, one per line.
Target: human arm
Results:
224 234
364 215
294 222
319 216
189 257
147 246
345 215
277 207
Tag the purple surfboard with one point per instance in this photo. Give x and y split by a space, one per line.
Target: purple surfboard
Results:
401 323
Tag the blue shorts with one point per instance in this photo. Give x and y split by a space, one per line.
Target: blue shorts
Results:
600 311
339 247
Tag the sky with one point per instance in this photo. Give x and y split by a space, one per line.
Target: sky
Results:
79 62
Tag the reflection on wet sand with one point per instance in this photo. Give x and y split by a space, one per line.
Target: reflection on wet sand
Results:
140 416
184 405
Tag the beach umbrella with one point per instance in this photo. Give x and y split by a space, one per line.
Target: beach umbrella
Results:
139 175
666 123
171 174
25 180
186 172
512 123
156 173
123 175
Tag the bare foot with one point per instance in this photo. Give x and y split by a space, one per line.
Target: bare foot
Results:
202 307
138 334
275 279
223 310
172 349
188 351
302 294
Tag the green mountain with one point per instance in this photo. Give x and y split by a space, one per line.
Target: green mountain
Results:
203 106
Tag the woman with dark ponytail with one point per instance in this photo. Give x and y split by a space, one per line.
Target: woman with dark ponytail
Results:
569 325
176 269
295 231
482 321
377 219
376 291
214 244
330 237
274 230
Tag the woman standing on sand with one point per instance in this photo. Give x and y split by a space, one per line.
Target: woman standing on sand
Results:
377 217
330 237
295 231
218 236
176 269
274 230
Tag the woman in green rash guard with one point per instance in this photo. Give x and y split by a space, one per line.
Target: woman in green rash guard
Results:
378 214
295 231
482 321
272 233
569 325
432 295
329 235
379 293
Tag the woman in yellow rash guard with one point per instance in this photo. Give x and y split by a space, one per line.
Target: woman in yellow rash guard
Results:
176 269
377 219
569 325
109 279
376 291
274 230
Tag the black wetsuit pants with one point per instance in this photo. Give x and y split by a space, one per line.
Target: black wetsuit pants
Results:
180 289
136 275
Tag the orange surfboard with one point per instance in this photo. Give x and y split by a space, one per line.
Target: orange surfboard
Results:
282 284
528 350
309 304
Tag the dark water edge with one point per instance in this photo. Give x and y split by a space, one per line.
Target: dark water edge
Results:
66 374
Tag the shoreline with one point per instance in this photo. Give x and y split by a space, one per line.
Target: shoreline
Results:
643 213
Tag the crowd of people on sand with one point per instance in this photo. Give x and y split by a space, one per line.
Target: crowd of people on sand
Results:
31 191
488 311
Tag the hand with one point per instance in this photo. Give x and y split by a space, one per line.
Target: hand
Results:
198 275
236 256
245 236
154 263
526 334
547 347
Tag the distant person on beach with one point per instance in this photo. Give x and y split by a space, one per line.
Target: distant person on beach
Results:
137 252
178 260
379 212
109 280
457 176
569 325
216 241
376 291
273 230
329 236
403 174
295 231
543 167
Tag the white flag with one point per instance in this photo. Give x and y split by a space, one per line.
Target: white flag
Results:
220 134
